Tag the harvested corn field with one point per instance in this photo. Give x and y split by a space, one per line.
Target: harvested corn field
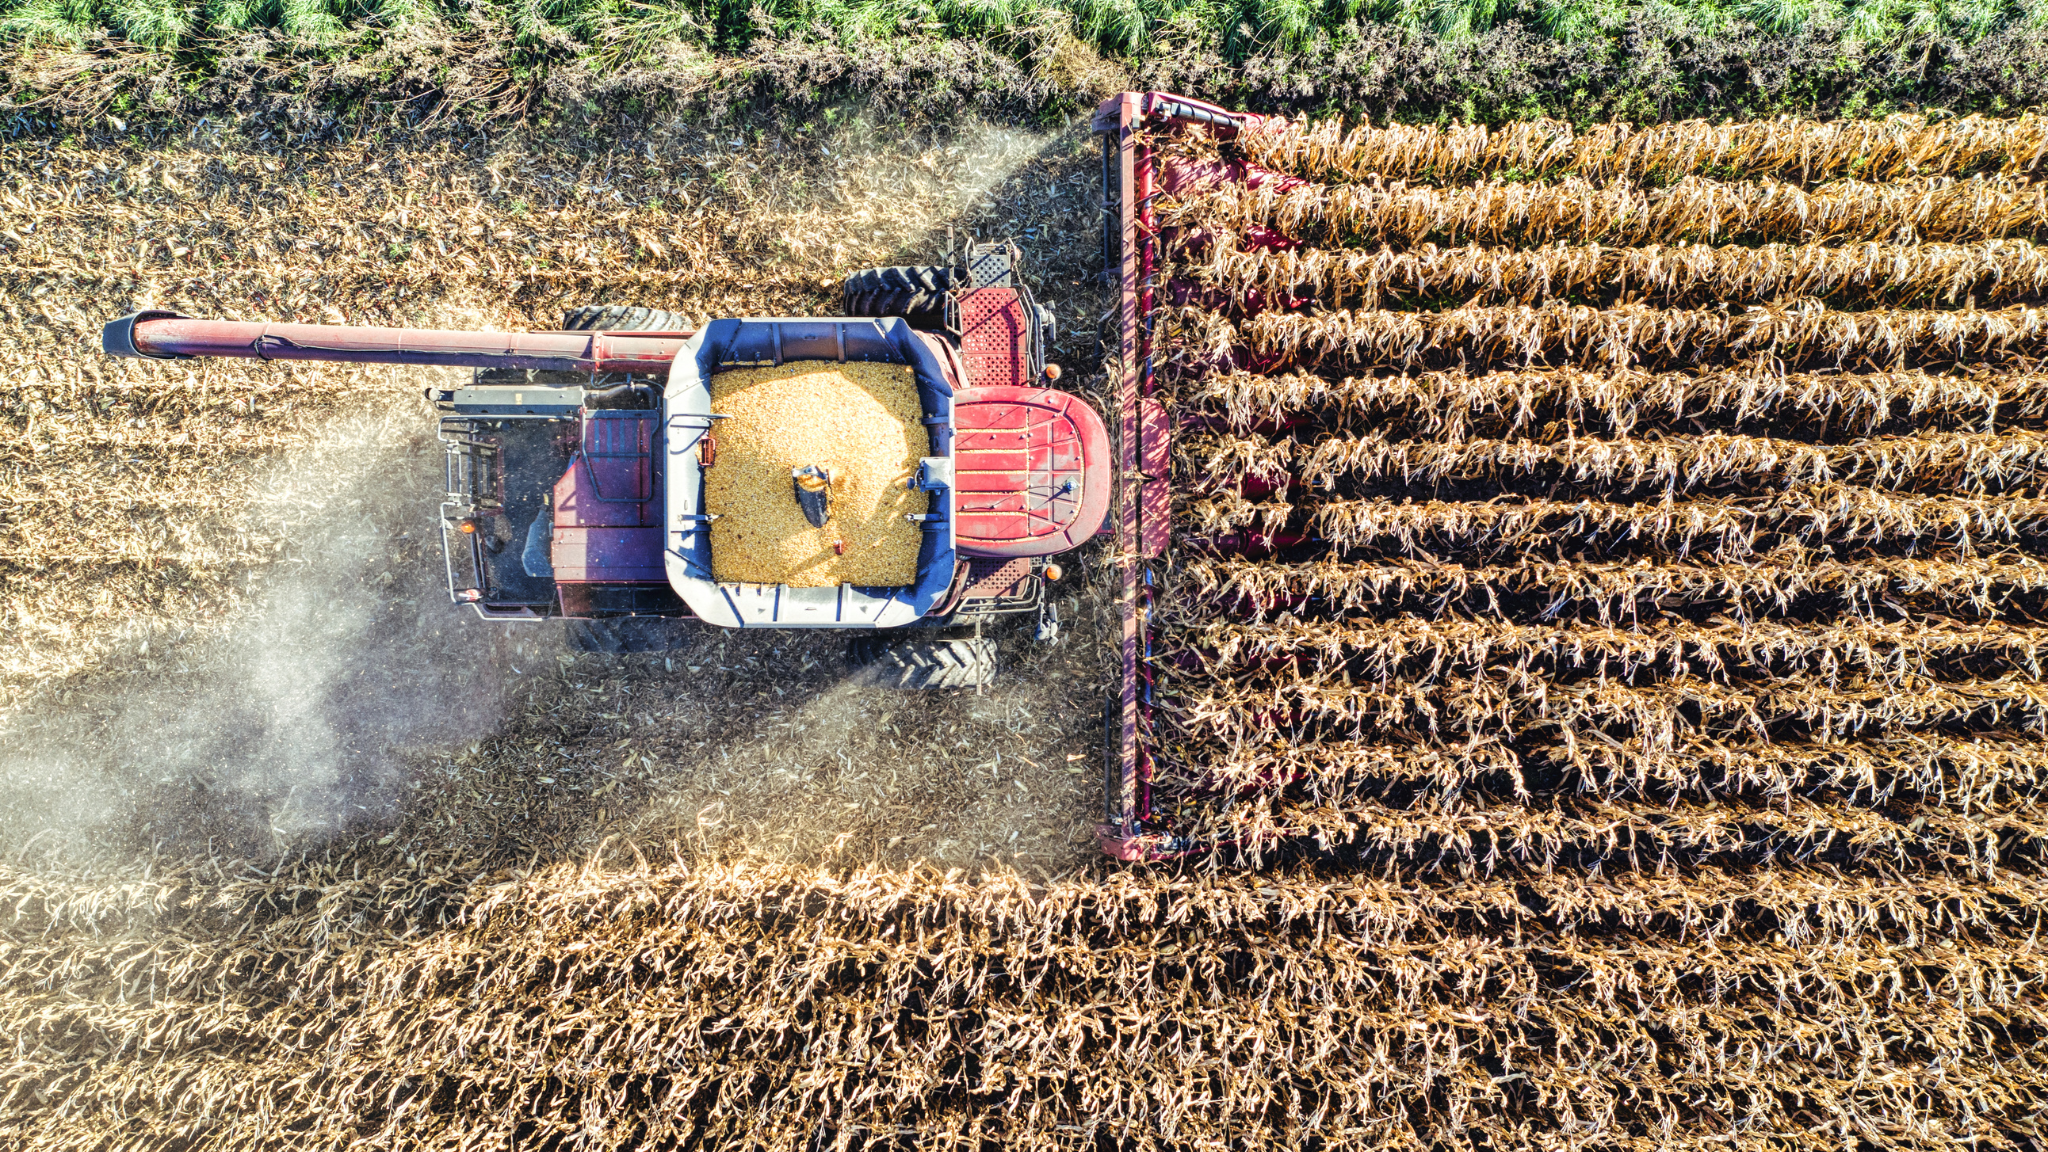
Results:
226 615
861 424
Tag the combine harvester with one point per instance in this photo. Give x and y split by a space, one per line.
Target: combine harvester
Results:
577 481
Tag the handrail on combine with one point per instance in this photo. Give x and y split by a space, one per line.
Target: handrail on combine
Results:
1143 498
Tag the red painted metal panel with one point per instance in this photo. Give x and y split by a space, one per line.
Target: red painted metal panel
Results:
607 527
1031 472
1127 806
1155 518
1155 462
994 337
1007 468
1155 439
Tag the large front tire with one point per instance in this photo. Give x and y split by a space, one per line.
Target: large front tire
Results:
919 664
916 293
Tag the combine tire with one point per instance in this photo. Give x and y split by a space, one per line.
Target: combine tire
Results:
969 663
917 294
622 318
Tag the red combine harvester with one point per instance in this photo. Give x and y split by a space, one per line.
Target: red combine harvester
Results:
576 461
1134 127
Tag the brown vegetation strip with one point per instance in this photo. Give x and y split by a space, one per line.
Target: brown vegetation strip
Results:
1509 704
627 1007
689 212
1609 590
1956 773
1410 650
1621 214
1989 272
1454 405
1475 833
1624 337
1951 461
1789 148
1724 529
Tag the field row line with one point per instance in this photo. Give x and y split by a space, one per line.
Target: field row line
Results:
1723 528
1611 590
1236 275
1623 337
1619 214
1956 773
1785 148
1957 461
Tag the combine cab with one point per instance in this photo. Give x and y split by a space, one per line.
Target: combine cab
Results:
577 461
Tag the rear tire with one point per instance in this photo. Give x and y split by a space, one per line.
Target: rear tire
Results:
916 293
919 664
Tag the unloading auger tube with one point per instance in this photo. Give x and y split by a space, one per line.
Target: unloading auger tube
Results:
156 334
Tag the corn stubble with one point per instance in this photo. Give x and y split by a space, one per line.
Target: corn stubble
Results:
1658 688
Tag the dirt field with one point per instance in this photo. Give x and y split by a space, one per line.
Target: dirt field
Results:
222 580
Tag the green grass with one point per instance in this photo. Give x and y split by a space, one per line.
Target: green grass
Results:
499 60
1113 27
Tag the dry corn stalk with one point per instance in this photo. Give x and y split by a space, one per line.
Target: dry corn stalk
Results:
1774 581
1486 838
1453 406
1790 149
1988 272
619 1006
1959 774
1453 708
1623 337
1723 528
1944 461
1415 650
1619 214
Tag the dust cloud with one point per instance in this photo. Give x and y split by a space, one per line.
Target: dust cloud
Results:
294 718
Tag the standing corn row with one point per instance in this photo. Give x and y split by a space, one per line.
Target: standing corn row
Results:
1624 504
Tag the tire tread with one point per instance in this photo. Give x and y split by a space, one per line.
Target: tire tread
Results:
924 664
914 292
